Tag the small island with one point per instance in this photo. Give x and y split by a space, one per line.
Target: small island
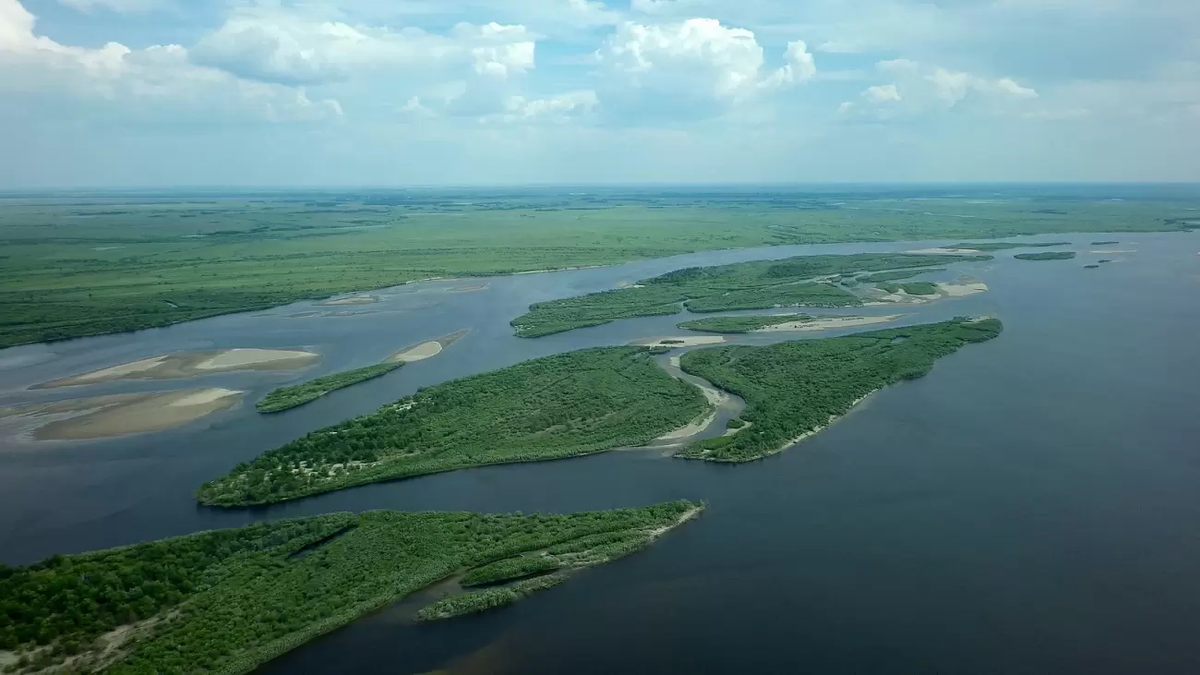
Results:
566 405
806 281
795 389
228 601
1049 255
1105 243
992 246
286 398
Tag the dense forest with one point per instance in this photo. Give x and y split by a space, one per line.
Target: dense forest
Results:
742 324
804 281
559 406
286 398
1049 255
793 388
229 600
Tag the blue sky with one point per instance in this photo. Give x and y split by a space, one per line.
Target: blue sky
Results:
128 93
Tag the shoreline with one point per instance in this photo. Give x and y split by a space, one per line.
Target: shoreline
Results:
813 432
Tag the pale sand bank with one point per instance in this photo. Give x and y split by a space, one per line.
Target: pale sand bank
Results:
191 364
676 361
426 350
234 359
352 300
469 289
1117 251
731 432
115 415
684 341
827 323
961 290
687 431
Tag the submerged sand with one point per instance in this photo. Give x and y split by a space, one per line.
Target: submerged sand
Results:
191 364
827 323
352 300
426 350
960 290
116 415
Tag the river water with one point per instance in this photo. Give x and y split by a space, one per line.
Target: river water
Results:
1030 506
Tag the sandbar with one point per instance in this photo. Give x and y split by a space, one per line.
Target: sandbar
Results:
352 300
191 364
944 251
426 350
684 341
469 289
1114 251
827 323
963 289
116 415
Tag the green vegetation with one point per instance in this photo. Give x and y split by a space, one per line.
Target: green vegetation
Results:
286 398
1051 255
741 324
735 423
1002 245
1104 243
1103 260
487 598
510 569
796 388
559 406
913 288
794 282
88 264
230 600
1091 267
897 276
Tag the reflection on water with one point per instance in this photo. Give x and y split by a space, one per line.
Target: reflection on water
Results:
1030 506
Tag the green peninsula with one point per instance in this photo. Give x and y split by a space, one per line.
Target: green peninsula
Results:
286 398
1050 255
794 389
228 601
764 284
555 407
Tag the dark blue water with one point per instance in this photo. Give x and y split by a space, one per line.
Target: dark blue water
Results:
1031 506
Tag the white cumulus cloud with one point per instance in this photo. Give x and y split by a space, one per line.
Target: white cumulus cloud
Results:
919 88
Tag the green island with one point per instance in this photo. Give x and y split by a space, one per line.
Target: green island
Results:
912 288
1105 243
896 276
1091 267
286 398
89 264
1004 245
764 284
742 324
1049 255
228 601
795 389
554 407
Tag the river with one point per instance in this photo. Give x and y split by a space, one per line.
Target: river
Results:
1030 506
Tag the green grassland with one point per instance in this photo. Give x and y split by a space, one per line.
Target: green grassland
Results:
229 600
555 407
1004 245
92 264
794 388
286 398
896 276
1051 255
793 282
741 324
913 288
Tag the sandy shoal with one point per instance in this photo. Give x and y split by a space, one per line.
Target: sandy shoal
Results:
426 350
233 359
117 415
191 364
963 289
685 432
827 323
1117 251
352 300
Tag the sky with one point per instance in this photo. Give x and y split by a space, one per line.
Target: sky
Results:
155 93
